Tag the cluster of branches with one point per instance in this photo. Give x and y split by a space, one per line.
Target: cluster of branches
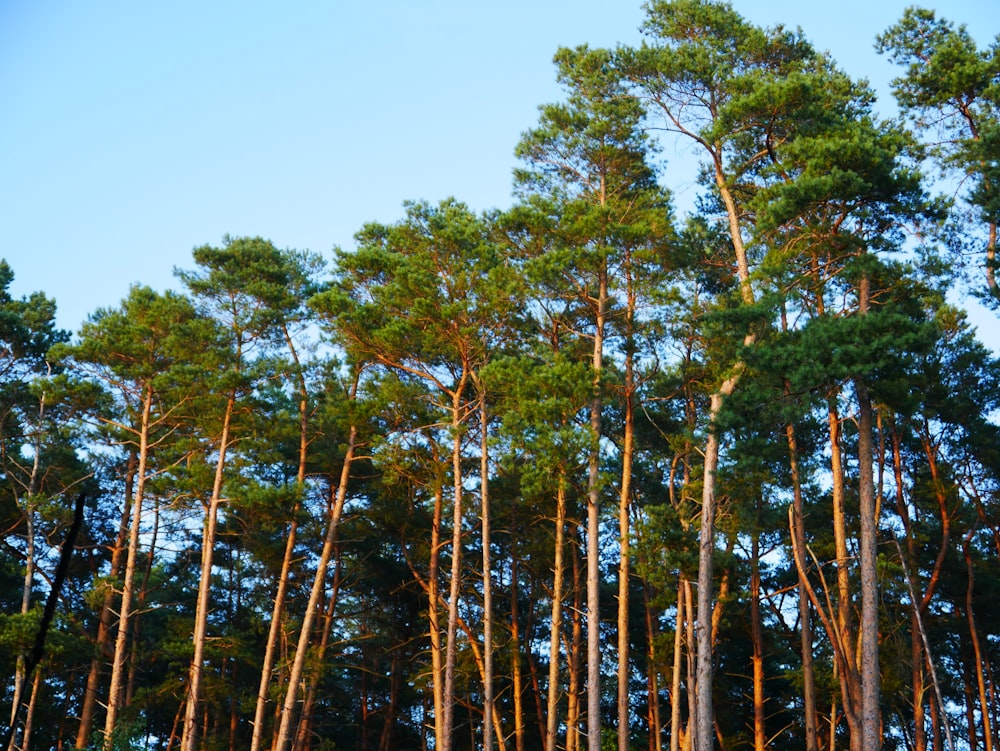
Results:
578 473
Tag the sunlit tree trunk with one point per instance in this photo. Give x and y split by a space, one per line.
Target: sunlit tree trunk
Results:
189 738
625 494
319 581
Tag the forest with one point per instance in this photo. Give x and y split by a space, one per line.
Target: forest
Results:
583 473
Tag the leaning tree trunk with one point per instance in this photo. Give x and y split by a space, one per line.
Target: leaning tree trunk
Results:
319 580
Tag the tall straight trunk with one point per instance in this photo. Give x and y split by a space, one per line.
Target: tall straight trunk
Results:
704 726
623 559
805 627
757 639
573 660
189 735
691 663
871 720
451 647
593 530
675 677
517 676
844 640
318 585
88 707
484 500
128 583
552 699
433 616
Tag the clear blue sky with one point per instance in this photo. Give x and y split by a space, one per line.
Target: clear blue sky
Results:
131 132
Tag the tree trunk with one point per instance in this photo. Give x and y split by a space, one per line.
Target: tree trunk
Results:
121 637
871 720
190 732
303 732
593 531
484 500
451 647
675 677
805 626
757 638
319 581
552 704
623 560
573 661
517 677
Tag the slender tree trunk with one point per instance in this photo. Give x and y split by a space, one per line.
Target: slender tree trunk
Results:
675 677
805 627
623 560
484 499
871 720
29 715
552 708
433 617
319 581
757 639
189 735
593 531
303 732
704 726
517 676
573 662
124 615
706 559
451 648
850 678
692 668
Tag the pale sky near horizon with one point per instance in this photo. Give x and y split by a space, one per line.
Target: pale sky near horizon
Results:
132 132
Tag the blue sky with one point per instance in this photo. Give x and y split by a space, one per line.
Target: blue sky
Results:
131 132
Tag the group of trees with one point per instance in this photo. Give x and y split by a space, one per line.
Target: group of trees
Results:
576 474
